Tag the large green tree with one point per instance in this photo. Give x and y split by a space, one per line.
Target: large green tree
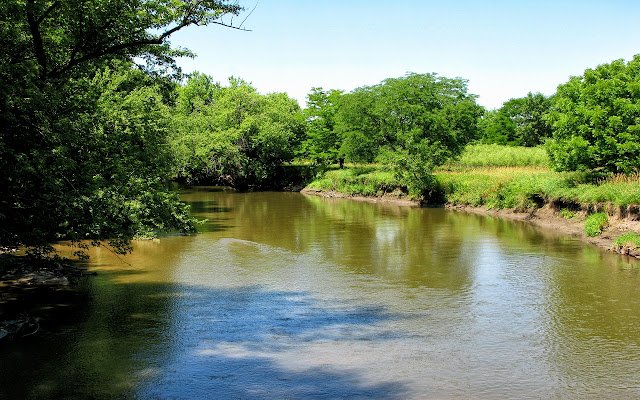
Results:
82 128
596 120
414 123
322 143
232 134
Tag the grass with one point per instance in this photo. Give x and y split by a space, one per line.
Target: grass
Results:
630 239
595 223
567 214
493 155
509 177
360 180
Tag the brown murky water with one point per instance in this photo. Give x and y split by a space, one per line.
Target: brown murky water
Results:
288 296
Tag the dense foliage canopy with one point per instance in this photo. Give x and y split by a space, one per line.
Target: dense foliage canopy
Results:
82 129
519 122
233 135
596 120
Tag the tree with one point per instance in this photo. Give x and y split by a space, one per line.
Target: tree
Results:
82 129
322 142
596 120
519 122
358 125
233 135
414 123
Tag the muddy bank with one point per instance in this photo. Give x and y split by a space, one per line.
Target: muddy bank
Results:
545 217
397 198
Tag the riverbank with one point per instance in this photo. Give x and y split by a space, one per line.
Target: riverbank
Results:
29 289
533 194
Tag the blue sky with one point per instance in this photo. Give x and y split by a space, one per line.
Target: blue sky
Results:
503 48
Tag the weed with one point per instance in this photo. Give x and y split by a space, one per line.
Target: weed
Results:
630 239
595 223
567 214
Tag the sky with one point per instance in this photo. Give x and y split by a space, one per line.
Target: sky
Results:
504 49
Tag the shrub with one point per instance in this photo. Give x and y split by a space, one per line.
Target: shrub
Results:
595 223
596 120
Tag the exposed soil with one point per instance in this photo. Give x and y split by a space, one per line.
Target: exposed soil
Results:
396 197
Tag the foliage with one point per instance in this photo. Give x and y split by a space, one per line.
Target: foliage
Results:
322 143
233 135
595 223
412 123
596 120
567 214
484 155
519 122
631 239
83 132
361 181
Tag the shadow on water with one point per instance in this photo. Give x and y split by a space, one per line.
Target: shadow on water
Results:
148 340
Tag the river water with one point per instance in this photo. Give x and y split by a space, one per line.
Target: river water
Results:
290 296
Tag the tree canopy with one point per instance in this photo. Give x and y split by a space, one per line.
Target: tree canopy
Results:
519 122
232 134
596 120
82 128
413 123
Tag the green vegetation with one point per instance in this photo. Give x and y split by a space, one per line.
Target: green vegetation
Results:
493 155
596 120
232 135
595 223
411 124
567 214
629 239
519 122
361 181
83 128
495 186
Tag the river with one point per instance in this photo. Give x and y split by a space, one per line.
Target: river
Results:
284 295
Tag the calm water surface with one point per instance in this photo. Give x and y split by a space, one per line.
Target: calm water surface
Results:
288 296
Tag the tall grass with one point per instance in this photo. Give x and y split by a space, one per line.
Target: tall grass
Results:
595 223
630 239
494 155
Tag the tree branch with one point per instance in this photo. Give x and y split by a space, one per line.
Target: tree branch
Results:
101 51
38 47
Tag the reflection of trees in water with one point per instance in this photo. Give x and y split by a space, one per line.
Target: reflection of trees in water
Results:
90 349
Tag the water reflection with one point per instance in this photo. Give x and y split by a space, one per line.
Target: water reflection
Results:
287 296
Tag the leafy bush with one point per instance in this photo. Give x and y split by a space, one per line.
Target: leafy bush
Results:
595 223
596 120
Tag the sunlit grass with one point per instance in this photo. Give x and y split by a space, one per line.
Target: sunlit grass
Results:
496 185
630 239
482 155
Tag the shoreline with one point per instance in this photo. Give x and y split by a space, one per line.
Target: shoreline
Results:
545 217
